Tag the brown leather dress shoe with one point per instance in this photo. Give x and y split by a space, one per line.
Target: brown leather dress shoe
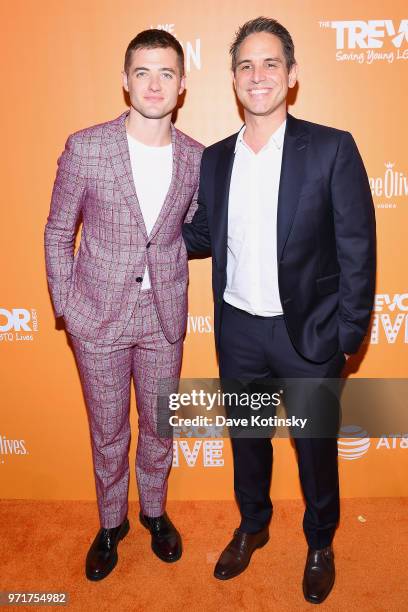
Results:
166 540
319 574
236 556
103 556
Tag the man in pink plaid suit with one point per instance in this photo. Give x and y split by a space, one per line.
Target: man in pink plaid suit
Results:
123 296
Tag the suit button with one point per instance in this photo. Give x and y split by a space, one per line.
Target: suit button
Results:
139 279
148 245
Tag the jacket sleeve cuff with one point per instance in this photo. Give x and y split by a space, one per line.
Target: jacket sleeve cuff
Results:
350 343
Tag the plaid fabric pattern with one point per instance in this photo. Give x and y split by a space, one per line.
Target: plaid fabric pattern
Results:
96 289
118 331
144 354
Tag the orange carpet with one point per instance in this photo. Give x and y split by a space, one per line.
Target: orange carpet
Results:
43 546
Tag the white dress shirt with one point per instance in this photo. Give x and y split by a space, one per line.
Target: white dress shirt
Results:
152 169
252 266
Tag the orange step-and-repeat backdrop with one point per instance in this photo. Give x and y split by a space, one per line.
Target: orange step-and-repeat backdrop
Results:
61 66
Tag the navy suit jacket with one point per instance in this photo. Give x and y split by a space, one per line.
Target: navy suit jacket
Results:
325 236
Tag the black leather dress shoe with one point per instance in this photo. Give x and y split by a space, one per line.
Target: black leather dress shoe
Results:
103 556
319 574
236 556
166 540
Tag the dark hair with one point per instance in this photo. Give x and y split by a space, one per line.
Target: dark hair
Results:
271 26
152 39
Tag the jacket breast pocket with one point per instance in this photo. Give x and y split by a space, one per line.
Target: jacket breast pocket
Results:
328 284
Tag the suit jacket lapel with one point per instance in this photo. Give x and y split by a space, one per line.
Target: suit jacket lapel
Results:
119 153
222 187
291 179
177 178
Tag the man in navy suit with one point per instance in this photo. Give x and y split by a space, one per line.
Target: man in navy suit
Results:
286 210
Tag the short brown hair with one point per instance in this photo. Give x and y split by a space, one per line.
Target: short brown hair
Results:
271 26
152 39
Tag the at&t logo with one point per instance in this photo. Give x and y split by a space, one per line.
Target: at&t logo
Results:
354 442
393 442
15 323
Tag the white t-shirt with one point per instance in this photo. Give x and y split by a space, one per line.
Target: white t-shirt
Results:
252 266
152 170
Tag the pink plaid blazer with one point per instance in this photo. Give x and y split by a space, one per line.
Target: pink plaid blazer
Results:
96 289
